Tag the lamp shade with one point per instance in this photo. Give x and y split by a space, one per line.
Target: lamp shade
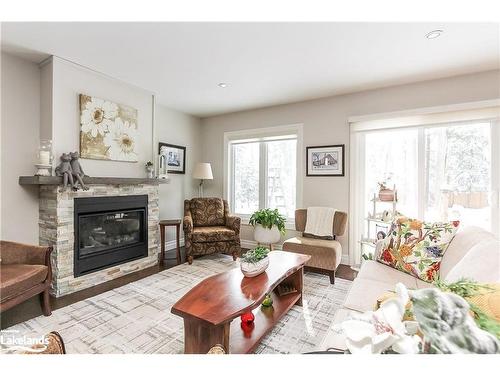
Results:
203 171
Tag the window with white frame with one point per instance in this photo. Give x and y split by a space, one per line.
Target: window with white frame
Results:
445 167
262 170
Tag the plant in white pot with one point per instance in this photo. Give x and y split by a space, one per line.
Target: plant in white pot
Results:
254 261
268 225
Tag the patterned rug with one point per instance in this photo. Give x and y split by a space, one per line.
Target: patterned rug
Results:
136 318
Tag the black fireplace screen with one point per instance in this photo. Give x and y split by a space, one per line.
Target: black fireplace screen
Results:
109 231
101 232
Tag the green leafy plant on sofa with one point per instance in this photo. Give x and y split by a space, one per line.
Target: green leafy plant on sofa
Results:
468 288
269 218
367 256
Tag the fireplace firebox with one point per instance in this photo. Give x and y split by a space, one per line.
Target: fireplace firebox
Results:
109 231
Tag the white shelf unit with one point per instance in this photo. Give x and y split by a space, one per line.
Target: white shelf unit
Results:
374 219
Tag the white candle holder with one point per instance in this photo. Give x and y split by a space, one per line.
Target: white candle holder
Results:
44 165
43 170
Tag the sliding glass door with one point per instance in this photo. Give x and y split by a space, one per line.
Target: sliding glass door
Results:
442 172
458 169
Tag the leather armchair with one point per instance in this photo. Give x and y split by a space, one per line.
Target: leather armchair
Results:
25 271
209 228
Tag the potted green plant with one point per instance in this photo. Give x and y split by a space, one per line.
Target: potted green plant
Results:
268 225
254 261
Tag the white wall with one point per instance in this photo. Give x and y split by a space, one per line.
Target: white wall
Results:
70 80
325 122
177 128
20 92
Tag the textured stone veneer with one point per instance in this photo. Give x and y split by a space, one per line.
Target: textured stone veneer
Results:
56 218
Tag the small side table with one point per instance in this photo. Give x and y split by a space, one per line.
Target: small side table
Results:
170 223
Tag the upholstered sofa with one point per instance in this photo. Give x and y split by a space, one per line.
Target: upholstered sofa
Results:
473 253
325 254
25 271
209 228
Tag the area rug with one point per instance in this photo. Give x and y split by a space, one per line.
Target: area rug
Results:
136 317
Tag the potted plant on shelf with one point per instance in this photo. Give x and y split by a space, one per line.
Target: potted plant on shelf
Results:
385 194
254 261
268 225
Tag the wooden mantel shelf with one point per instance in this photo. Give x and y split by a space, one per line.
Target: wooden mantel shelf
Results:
54 180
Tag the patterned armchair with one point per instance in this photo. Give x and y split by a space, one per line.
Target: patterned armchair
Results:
208 228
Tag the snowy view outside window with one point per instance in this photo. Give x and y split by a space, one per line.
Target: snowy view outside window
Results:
391 156
458 170
278 178
246 177
455 176
281 172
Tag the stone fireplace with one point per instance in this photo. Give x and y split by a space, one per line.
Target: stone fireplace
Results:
100 234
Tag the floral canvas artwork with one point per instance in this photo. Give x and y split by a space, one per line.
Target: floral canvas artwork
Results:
108 130
416 247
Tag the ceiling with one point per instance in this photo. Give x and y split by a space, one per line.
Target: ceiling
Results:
263 63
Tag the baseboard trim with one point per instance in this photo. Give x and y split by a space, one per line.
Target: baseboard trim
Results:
249 244
172 244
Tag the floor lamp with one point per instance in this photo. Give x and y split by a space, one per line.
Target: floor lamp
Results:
202 171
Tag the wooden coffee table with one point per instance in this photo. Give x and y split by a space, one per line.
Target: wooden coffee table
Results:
212 309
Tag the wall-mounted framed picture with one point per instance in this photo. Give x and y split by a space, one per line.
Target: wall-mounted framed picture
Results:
171 158
325 160
108 131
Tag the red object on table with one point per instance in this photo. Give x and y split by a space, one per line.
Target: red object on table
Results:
247 329
247 317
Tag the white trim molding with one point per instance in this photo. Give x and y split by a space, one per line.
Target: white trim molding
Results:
172 244
483 110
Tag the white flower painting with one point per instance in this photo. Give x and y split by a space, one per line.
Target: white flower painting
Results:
120 140
107 130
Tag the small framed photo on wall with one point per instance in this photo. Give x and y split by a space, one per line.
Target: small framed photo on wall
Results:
325 160
172 158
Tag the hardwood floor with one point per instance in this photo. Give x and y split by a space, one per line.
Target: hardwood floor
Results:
31 308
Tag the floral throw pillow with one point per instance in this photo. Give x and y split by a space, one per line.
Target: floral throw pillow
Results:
416 247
